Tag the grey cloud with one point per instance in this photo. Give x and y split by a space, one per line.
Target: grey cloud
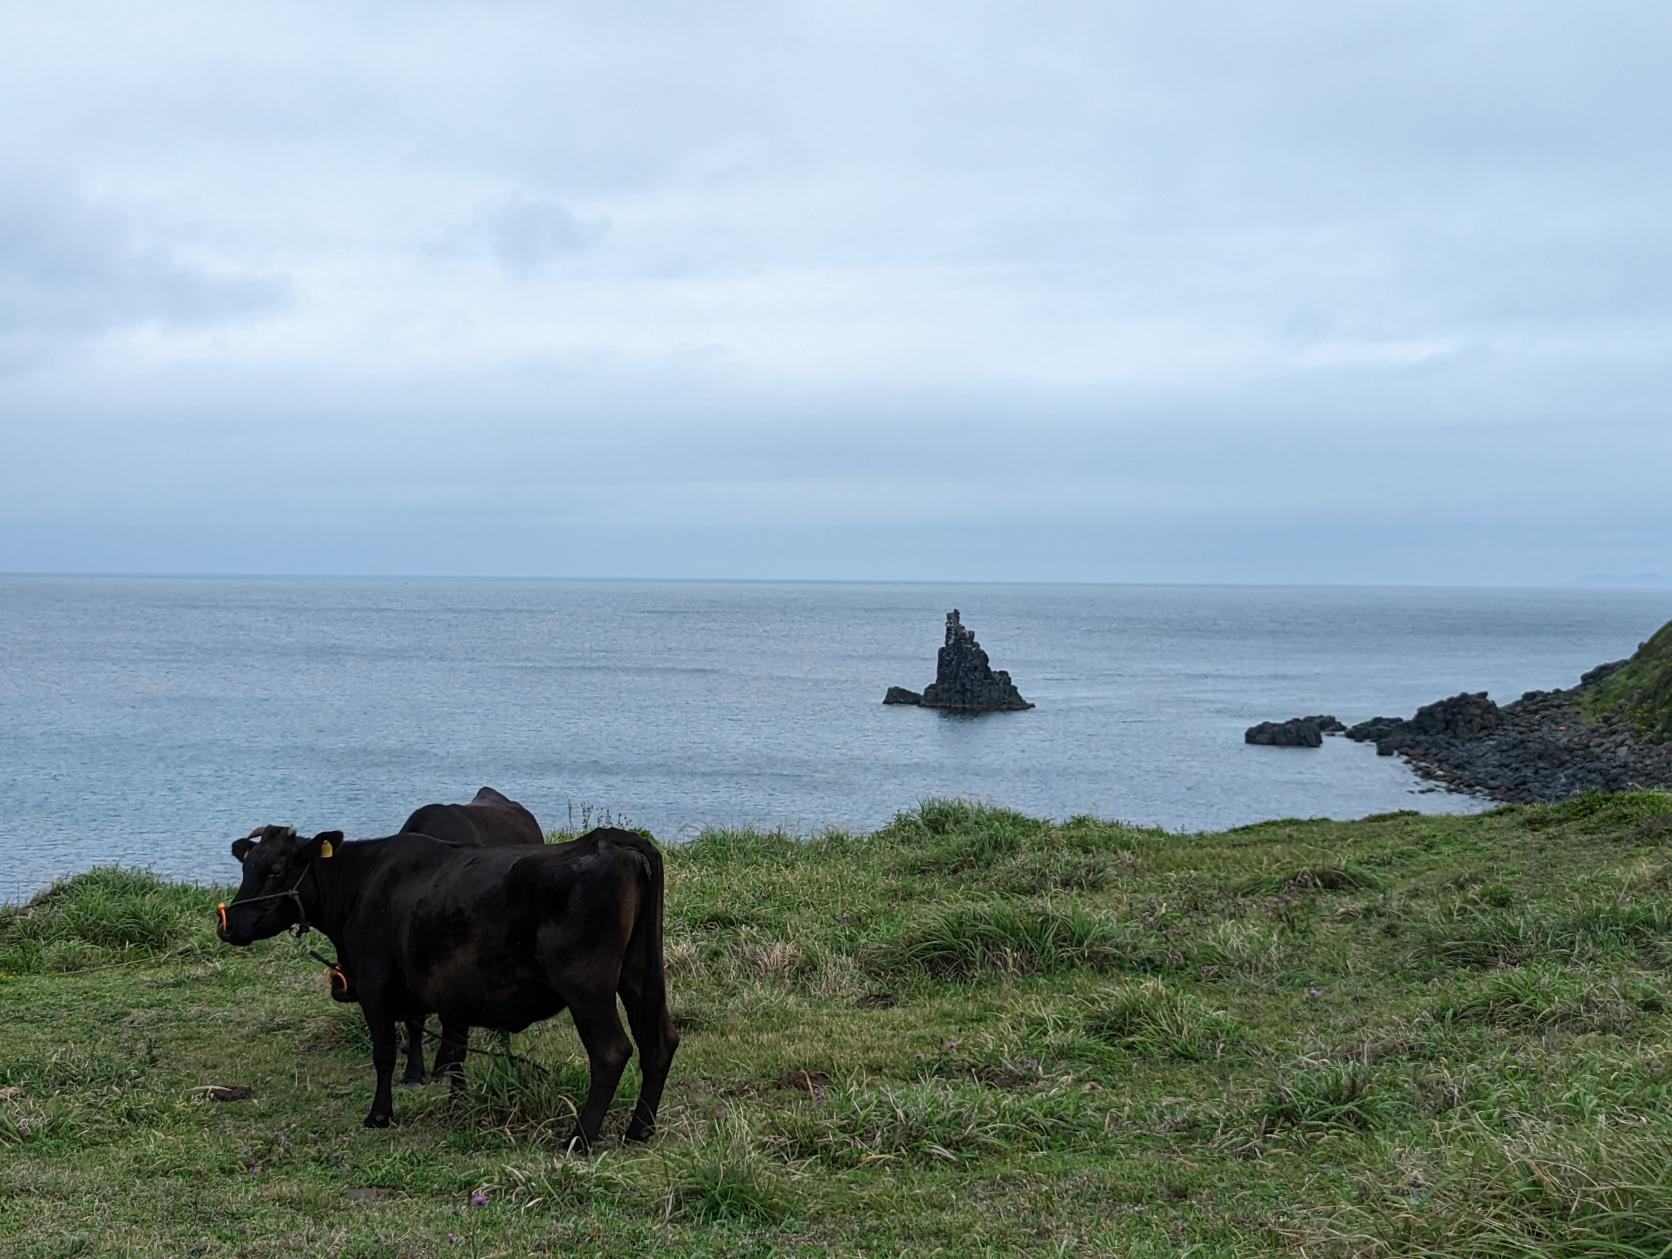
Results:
523 234
1297 290
528 231
1322 477
73 268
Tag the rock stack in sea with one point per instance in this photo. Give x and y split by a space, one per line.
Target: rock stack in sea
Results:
964 681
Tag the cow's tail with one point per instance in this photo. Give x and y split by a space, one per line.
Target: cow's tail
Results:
645 942
652 1026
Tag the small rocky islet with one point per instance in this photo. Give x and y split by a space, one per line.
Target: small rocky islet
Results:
965 681
1610 732
1297 732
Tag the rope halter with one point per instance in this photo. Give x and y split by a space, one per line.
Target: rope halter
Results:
339 980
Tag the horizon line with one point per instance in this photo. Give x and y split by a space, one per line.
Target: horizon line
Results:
1586 583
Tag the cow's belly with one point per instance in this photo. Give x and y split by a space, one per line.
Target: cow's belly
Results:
505 1014
505 996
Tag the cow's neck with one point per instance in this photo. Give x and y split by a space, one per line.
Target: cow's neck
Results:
328 897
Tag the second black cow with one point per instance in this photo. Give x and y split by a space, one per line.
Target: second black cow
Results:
491 820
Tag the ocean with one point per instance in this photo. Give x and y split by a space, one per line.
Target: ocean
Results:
148 721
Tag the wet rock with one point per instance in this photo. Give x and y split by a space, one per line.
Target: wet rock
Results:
1546 746
1298 732
964 680
1376 730
1592 676
1465 716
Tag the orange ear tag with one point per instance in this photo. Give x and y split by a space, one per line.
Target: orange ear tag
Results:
220 912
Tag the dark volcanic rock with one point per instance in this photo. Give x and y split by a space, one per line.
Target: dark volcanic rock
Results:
1465 716
964 681
1299 732
1375 730
1542 747
1592 676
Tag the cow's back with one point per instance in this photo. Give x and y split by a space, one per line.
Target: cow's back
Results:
490 820
473 930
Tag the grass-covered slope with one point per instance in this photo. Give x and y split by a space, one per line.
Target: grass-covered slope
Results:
1644 685
970 1033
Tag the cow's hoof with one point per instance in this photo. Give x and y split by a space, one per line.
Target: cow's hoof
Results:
378 1121
576 1144
638 1132
414 1077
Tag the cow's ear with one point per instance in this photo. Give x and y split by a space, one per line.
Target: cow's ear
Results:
241 847
328 841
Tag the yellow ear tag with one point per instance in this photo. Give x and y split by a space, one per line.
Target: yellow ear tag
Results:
325 849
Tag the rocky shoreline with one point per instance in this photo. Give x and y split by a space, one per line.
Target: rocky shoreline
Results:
1604 734
1541 748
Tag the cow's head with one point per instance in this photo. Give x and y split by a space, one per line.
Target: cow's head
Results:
276 861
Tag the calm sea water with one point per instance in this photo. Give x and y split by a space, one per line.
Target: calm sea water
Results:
148 721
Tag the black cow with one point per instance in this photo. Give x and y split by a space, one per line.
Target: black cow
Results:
487 820
491 819
488 937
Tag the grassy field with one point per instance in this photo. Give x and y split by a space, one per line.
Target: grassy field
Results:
971 1032
1643 686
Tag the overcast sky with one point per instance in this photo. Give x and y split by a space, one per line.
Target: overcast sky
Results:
1313 292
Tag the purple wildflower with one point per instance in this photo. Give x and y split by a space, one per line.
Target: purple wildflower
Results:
478 1199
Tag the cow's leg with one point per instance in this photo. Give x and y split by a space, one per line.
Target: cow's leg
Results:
382 1028
608 1049
647 1014
449 1058
414 1052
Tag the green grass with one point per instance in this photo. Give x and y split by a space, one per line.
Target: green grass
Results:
1643 685
970 1033
1153 1020
982 938
105 917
